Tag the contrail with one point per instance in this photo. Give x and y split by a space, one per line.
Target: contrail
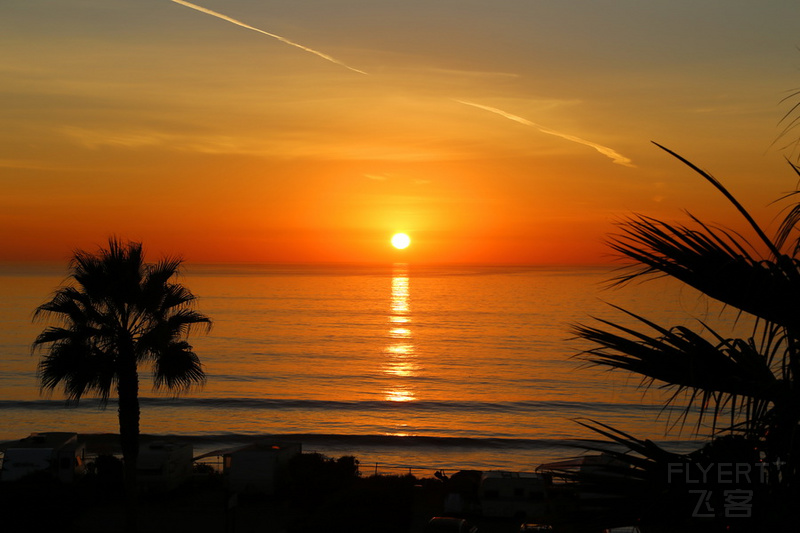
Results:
615 156
282 39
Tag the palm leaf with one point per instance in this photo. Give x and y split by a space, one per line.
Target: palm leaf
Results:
732 199
712 374
79 368
714 264
791 220
791 119
177 368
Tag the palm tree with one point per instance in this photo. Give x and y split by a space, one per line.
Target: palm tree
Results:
117 314
747 388
755 380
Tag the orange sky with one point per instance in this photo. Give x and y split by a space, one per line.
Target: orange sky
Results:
511 132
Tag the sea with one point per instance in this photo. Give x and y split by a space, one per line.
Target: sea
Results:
408 367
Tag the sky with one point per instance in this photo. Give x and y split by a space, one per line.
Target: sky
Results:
502 132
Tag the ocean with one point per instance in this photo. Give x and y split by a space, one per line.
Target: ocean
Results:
407 367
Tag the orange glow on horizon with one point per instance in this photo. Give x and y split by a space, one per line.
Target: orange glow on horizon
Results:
234 145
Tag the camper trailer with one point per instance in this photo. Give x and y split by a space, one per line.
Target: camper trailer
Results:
163 466
60 454
512 495
256 468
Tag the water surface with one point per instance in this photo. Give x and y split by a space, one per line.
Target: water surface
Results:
422 366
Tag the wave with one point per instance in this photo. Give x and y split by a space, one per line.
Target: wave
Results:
217 444
388 440
341 405
357 441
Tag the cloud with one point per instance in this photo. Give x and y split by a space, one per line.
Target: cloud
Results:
615 156
278 37
137 139
471 73
27 164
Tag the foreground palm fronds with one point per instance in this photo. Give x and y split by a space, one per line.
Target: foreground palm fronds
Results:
752 382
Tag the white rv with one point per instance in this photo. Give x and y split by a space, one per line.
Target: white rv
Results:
512 495
255 468
163 466
60 454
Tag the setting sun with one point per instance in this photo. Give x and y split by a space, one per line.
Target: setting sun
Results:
400 240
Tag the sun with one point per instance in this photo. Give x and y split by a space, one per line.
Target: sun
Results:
400 240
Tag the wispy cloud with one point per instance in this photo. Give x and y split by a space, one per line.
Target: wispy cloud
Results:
471 73
28 164
278 37
615 156
146 138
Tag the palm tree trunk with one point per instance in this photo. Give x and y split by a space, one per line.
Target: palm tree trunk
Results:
128 389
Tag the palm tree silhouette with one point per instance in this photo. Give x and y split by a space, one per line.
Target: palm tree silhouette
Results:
754 380
117 314
746 389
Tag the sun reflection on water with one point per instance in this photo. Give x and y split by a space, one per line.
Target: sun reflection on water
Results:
400 362
400 333
400 290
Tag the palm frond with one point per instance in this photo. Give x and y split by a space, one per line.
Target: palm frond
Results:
790 220
732 199
67 305
53 334
646 449
790 120
158 294
175 295
79 368
183 320
161 272
166 330
177 368
712 375
716 264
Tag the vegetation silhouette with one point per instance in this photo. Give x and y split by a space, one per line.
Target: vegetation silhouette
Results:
117 313
747 390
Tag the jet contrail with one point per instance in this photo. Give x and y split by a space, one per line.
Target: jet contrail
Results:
282 39
606 151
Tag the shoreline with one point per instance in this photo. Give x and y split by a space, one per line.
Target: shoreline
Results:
420 454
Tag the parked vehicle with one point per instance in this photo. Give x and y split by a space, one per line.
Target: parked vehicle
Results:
163 466
256 468
447 524
534 528
512 495
60 454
